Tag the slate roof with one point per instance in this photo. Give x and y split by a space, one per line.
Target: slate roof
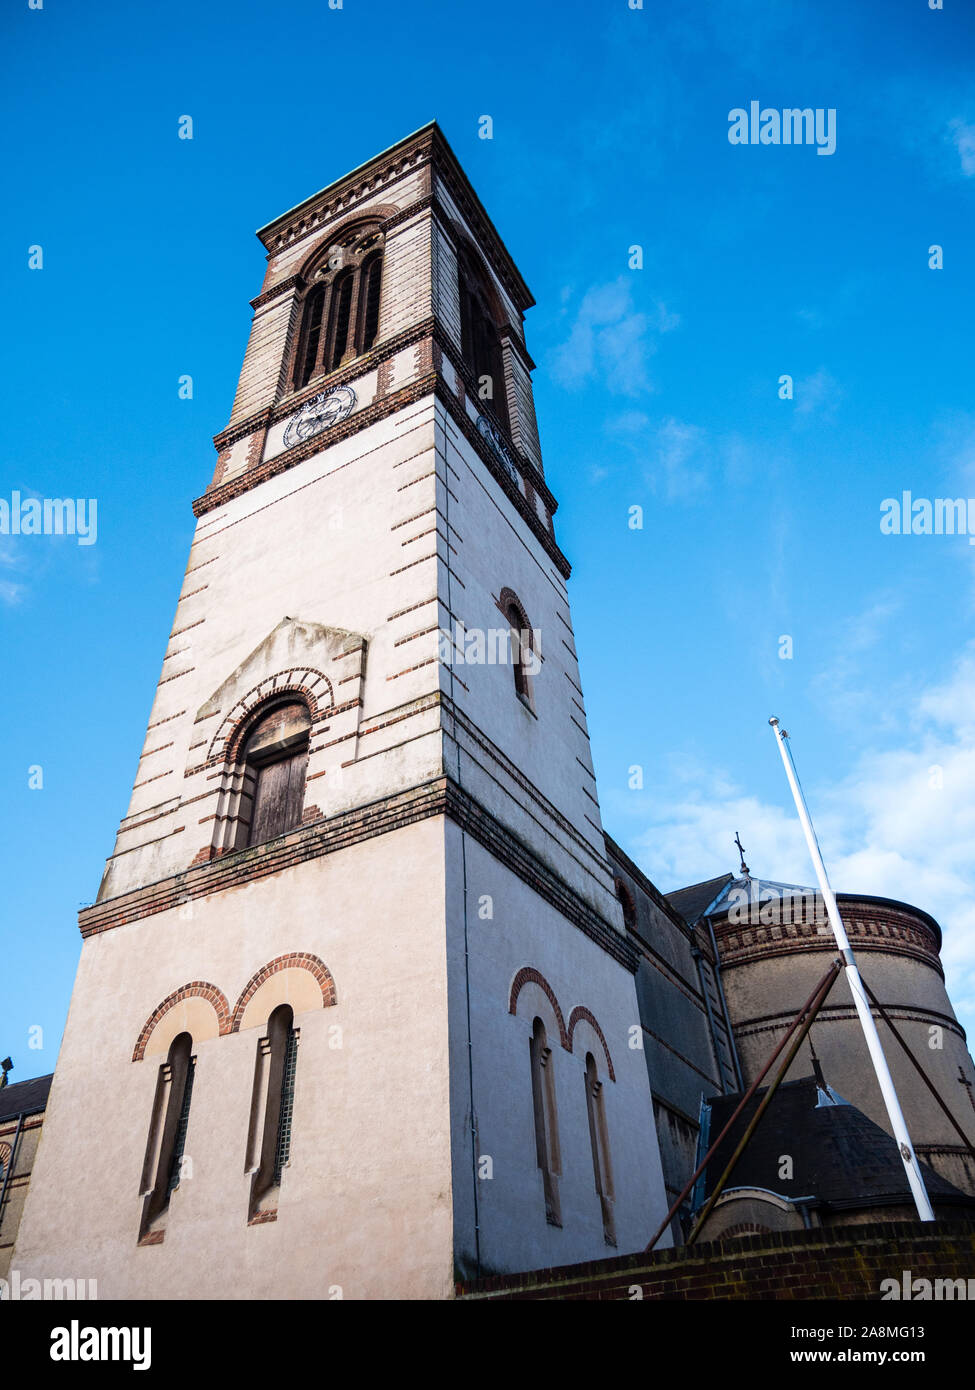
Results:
839 1155
694 901
28 1097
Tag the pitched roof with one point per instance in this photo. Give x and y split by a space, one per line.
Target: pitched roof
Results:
839 1155
694 901
24 1097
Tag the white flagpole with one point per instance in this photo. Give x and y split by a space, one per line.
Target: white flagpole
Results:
897 1122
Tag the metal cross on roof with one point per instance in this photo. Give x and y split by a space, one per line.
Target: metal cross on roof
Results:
741 850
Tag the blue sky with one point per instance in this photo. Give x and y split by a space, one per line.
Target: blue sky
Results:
655 388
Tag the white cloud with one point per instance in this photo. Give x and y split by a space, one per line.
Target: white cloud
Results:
818 394
611 341
963 139
900 825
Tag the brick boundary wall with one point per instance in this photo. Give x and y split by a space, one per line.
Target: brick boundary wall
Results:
846 1262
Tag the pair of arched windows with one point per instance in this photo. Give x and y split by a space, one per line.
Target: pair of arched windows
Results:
547 1147
340 315
269 1131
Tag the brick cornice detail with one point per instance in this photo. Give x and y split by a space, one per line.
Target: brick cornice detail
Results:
428 146
270 415
318 210
439 798
270 468
292 282
431 383
287 405
742 943
407 214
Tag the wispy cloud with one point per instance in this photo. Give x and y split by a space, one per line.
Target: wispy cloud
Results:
611 340
818 394
900 825
962 136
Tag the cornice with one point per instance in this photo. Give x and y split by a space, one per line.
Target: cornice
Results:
432 381
352 424
322 207
426 146
288 404
291 282
442 797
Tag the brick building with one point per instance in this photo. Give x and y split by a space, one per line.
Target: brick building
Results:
377 1003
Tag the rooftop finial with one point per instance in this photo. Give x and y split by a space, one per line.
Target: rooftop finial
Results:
746 872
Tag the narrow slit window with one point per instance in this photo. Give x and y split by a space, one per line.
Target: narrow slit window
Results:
521 648
272 1112
546 1121
162 1168
599 1143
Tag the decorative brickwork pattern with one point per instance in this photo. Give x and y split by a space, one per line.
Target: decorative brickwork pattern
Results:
579 1013
530 975
199 988
297 960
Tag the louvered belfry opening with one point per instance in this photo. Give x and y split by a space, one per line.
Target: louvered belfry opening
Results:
370 284
275 760
481 339
340 315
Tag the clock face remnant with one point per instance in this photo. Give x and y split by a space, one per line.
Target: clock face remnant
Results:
494 437
318 414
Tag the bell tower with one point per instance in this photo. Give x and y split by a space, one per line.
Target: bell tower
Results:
356 992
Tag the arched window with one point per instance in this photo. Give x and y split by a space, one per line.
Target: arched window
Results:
340 316
275 759
546 1121
599 1141
480 338
370 284
524 658
311 334
272 1104
163 1164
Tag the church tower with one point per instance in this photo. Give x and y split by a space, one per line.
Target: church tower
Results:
355 1013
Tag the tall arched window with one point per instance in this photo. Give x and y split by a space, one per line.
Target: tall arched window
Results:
163 1164
370 284
480 338
546 1121
311 334
275 759
522 639
272 1104
340 316
599 1141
